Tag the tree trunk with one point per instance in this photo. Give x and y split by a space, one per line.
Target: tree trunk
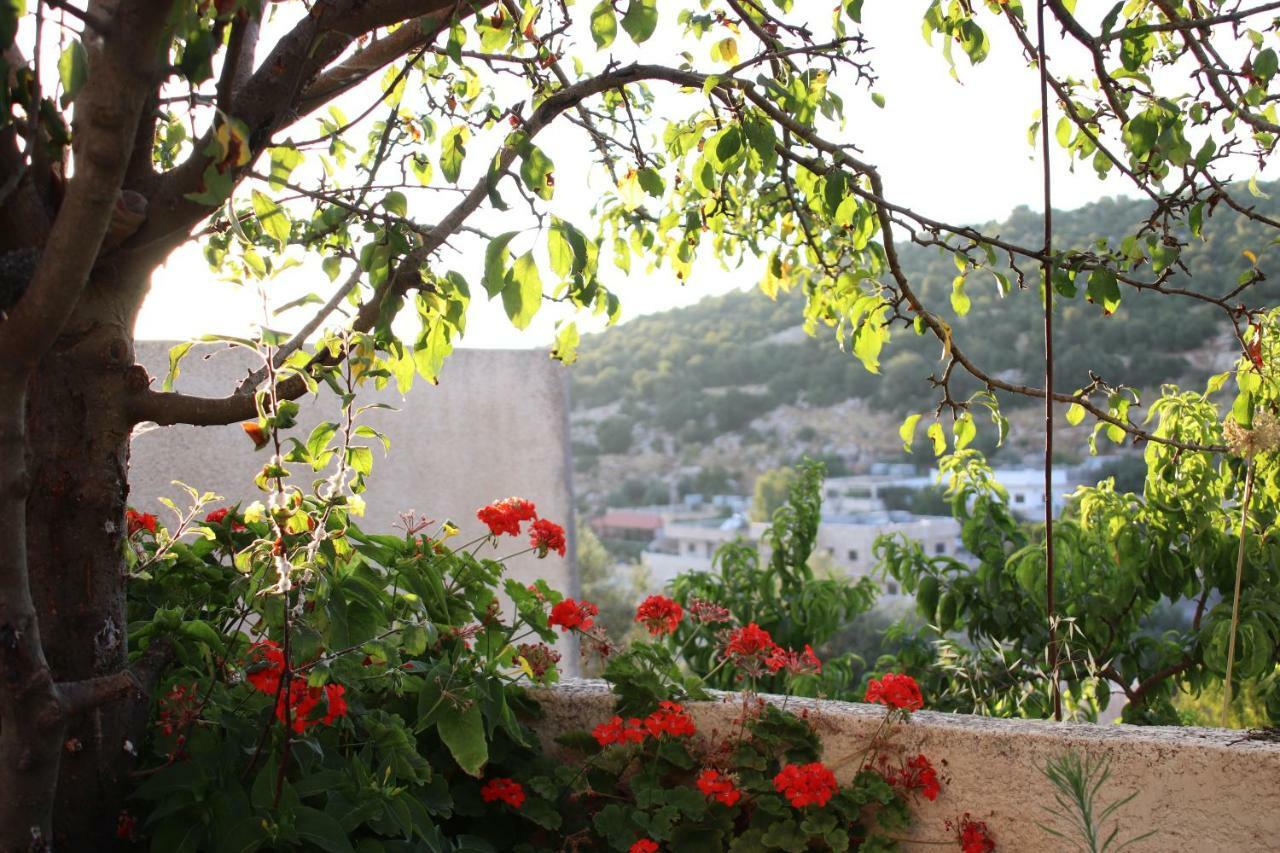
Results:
77 457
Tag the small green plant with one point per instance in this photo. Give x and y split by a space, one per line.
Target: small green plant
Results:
1078 782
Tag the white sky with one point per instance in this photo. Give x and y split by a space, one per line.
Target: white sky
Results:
957 151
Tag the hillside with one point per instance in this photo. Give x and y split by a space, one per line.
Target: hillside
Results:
715 393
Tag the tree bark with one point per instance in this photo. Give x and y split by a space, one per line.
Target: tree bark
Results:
77 458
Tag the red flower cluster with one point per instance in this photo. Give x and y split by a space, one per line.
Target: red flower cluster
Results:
505 516
618 730
126 826
178 708
973 835
266 669
916 775
547 536
659 614
896 691
218 516
304 700
749 642
136 521
508 791
266 665
796 663
806 784
670 719
570 614
644 845
721 788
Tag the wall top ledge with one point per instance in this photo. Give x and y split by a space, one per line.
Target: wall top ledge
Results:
591 696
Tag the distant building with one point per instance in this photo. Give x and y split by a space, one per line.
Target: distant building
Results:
628 525
846 540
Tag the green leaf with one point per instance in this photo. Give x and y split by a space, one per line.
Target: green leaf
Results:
537 172
176 354
566 345
1075 414
421 168
567 247
1063 132
604 24
395 202
283 161
938 437
907 432
959 299
877 99
522 295
432 349
495 263
202 632
453 149
275 222
1103 289
650 181
73 70
322 830
641 19
318 441
463 732
964 431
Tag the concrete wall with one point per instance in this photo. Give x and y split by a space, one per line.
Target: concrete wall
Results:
495 426
1200 790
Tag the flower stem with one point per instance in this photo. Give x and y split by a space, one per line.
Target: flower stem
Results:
1235 601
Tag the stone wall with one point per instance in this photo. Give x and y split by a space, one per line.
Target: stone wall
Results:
496 425
1200 790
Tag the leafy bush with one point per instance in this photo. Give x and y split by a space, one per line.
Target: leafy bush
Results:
780 593
379 704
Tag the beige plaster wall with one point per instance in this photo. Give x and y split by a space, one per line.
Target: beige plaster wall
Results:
495 426
1201 790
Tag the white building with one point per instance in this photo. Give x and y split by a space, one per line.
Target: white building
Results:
847 540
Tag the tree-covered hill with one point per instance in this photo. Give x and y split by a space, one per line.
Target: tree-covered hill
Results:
710 369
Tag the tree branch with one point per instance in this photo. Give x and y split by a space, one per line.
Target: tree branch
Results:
1189 23
167 408
291 82
107 114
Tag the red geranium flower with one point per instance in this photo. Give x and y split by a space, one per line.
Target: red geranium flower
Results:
751 641
136 521
670 719
896 691
793 662
659 614
508 791
304 700
266 666
918 774
719 787
547 536
973 835
504 516
570 614
618 730
644 845
220 515
127 826
806 784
